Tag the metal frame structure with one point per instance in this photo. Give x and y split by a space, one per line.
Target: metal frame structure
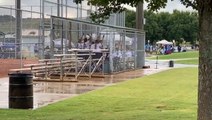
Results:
111 32
55 22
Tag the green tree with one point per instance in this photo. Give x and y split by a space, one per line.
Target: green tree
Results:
204 8
184 25
153 28
164 25
130 19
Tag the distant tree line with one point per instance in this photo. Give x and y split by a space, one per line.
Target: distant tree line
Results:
6 18
7 23
179 25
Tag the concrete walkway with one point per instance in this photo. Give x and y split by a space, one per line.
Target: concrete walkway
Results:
50 92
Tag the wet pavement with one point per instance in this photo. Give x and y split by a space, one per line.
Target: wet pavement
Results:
50 92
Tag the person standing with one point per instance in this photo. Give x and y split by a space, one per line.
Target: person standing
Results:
96 48
80 44
179 48
36 49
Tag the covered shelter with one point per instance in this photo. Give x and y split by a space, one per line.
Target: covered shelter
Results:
120 41
57 32
164 42
165 47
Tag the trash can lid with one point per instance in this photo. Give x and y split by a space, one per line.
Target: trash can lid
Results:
20 74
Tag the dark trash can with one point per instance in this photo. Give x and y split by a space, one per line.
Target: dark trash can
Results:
20 90
171 63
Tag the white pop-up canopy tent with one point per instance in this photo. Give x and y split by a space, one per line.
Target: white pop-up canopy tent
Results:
164 42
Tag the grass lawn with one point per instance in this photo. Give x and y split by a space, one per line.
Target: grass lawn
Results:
181 55
191 62
169 95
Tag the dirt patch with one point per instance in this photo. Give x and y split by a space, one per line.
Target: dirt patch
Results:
7 64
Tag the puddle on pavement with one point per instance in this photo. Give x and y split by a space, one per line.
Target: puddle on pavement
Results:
50 92
83 86
65 88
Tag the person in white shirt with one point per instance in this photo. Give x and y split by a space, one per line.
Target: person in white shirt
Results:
129 58
96 48
117 55
87 43
128 54
80 44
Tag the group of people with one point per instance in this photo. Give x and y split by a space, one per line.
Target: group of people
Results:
86 42
119 56
96 44
166 49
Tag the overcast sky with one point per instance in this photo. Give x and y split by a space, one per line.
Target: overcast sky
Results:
176 4
12 2
170 6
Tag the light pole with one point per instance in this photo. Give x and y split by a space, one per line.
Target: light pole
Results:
156 62
18 28
173 45
140 38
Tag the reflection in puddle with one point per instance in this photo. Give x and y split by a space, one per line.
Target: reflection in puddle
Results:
65 88
50 92
83 86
